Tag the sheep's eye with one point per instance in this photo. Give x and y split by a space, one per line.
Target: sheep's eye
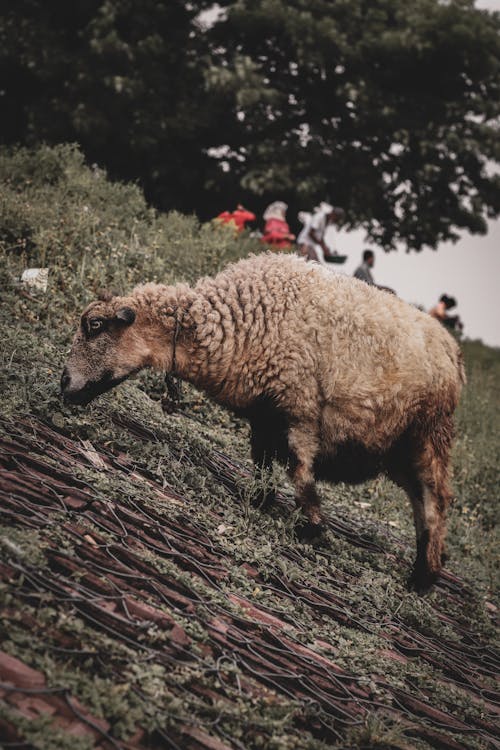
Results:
94 326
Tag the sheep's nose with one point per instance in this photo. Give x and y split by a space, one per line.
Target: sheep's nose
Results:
65 380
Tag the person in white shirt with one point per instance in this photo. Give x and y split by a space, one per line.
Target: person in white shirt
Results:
305 218
311 239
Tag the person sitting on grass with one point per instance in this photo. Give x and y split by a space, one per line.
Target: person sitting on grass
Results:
276 230
363 272
237 218
440 312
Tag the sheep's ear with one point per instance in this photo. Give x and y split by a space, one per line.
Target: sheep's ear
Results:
105 295
125 315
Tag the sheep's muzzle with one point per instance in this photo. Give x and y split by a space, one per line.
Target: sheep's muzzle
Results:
92 388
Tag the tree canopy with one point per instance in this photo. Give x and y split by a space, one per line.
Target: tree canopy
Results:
387 108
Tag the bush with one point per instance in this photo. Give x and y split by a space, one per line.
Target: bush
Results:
91 233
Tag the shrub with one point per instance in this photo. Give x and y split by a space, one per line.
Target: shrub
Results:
92 233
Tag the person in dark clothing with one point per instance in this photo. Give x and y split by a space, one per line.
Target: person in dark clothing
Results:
363 272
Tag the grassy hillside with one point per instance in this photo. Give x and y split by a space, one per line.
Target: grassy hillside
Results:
156 606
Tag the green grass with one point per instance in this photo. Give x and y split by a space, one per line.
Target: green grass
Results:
92 234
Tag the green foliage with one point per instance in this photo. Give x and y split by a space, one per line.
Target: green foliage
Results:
92 233
123 80
41 733
389 108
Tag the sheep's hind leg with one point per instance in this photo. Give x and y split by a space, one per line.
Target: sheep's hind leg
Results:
303 448
422 576
429 512
433 471
428 489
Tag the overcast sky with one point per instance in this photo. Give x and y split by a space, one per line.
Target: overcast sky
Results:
488 4
468 270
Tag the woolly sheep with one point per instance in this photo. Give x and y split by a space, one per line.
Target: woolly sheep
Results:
340 381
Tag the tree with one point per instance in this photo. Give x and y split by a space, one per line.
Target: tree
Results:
388 108
123 79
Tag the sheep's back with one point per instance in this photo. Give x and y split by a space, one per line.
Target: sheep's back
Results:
331 337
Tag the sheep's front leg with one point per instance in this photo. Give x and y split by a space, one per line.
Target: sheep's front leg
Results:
303 446
262 455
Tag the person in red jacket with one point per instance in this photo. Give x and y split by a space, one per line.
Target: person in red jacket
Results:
276 230
238 218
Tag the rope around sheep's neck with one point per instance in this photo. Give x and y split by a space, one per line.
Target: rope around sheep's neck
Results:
174 345
172 381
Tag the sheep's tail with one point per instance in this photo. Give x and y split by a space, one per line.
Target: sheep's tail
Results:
461 366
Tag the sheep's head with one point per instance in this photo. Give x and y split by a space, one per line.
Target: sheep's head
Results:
108 347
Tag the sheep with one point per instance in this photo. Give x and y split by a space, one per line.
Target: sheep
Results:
339 381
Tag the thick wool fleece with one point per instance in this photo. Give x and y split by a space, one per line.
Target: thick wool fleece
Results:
328 349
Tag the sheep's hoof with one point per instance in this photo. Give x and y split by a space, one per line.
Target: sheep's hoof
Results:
422 580
168 405
264 500
309 532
